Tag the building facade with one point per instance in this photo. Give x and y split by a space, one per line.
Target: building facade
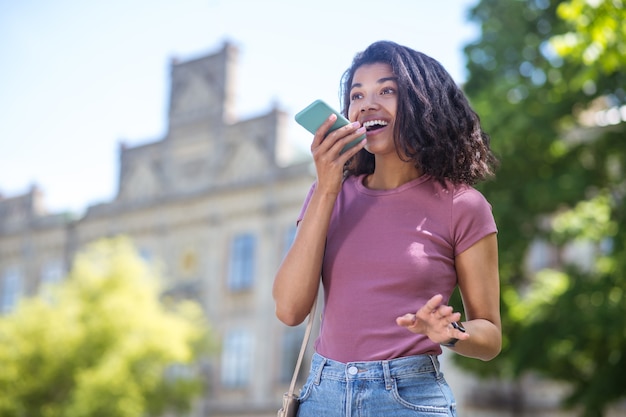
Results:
212 203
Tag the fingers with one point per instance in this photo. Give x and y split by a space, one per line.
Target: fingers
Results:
436 313
324 141
326 152
407 320
434 303
446 312
434 320
322 131
433 310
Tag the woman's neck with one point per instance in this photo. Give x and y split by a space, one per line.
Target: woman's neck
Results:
388 175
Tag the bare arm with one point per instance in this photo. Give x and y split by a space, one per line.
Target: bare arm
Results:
477 272
297 281
479 282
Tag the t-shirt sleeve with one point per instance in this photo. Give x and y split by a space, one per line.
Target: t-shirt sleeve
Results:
306 203
472 218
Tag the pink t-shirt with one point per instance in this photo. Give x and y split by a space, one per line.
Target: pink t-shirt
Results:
387 253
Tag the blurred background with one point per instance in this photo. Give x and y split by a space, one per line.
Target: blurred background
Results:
78 78
151 146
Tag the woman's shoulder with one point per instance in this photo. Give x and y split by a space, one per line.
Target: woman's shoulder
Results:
468 201
461 194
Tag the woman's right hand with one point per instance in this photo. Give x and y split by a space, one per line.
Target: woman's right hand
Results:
326 151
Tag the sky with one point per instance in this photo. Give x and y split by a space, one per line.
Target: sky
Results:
78 77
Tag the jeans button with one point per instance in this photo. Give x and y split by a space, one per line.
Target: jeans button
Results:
353 370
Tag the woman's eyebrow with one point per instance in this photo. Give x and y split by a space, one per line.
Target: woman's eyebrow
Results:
380 81
356 85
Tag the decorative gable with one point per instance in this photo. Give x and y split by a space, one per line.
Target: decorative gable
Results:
247 161
141 183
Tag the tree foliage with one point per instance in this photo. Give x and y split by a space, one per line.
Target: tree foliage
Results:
548 78
101 343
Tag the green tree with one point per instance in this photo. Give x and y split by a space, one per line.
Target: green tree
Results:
102 343
548 79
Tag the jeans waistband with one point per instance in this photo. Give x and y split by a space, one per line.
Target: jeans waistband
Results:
387 369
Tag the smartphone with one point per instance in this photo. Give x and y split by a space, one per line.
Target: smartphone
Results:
316 113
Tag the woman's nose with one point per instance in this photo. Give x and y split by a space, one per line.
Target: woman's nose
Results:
368 104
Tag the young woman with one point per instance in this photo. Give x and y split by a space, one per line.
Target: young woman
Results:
392 226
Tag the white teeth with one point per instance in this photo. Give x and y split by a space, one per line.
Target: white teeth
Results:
370 123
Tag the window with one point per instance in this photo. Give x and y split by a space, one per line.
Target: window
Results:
10 290
52 272
237 359
146 254
241 274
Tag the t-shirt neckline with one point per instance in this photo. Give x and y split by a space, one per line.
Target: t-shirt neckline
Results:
364 190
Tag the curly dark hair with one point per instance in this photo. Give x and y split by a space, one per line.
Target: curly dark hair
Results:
435 126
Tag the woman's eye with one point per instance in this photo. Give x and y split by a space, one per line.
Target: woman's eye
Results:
388 90
356 96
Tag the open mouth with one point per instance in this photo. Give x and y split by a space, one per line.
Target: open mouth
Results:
371 125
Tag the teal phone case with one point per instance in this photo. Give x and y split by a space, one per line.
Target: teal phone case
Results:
316 113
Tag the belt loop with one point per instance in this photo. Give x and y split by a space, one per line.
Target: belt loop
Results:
435 362
318 371
387 373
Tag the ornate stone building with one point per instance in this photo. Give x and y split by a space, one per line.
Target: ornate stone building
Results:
213 203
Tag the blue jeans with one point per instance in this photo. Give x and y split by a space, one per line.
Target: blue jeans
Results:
404 387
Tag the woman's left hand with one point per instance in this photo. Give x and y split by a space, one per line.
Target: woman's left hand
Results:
434 320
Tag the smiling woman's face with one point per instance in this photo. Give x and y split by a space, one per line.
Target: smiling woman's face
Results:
374 102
